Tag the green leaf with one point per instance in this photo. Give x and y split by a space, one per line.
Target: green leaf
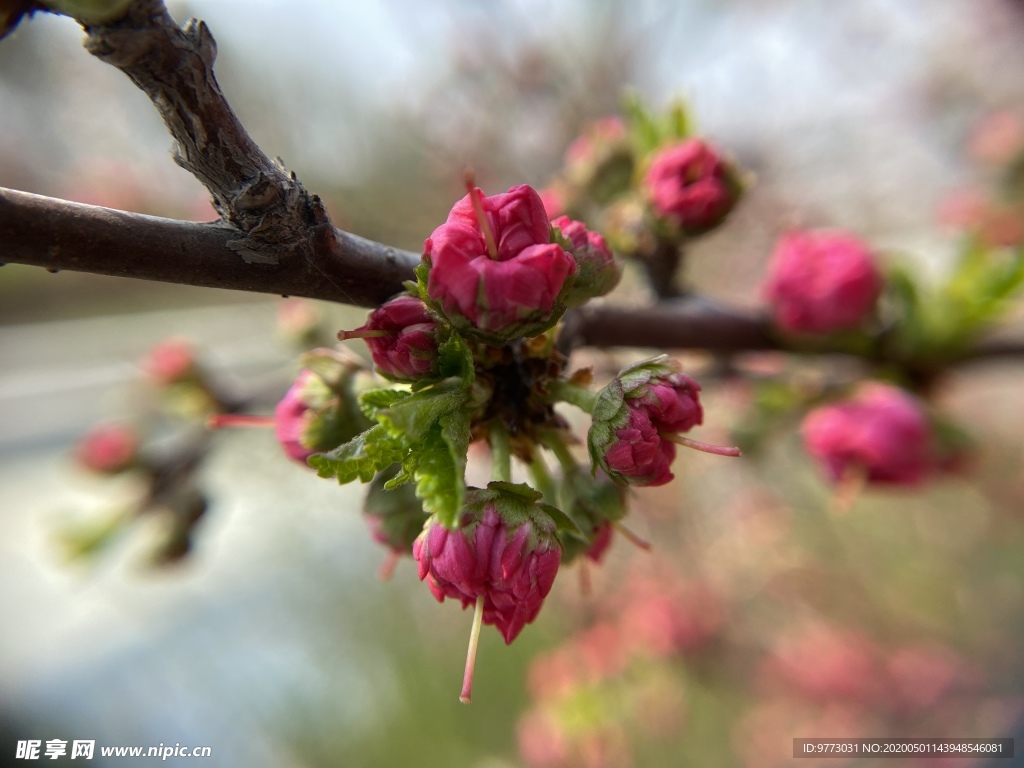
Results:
374 400
413 417
678 124
455 359
440 467
644 128
361 457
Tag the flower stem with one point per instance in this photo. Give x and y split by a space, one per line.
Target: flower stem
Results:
481 217
358 334
849 488
501 453
697 445
474 639
581 397
542 480
631 537
554 443
221 420
387 568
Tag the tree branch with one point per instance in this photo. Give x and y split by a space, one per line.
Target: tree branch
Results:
277 238
174 66
57 234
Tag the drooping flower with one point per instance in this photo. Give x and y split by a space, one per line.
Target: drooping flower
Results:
504 551
882 432
821 281
108 449
401 337
689 184
493 270
597 272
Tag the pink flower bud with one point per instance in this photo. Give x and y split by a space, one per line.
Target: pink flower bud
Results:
108 449
634 419
171 361
291 418
511 564
317 414
596 269
504 280
673 402
638 454
409 349
883 432
688 183
821 281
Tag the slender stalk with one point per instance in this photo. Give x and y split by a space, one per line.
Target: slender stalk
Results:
697 445
848 490
474 640
542 479
557 446
357 334
501 453
581 397
631 537
222 420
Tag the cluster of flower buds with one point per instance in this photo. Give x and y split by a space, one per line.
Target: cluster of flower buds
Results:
639 418
471 358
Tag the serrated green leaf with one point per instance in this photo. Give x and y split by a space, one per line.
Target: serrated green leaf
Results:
398 480
440 467
414 416
455 359
361 457
374 400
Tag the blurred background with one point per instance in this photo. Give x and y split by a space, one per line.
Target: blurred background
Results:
762 615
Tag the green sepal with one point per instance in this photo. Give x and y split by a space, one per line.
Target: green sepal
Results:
361 457
564 525
400 516
455 359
